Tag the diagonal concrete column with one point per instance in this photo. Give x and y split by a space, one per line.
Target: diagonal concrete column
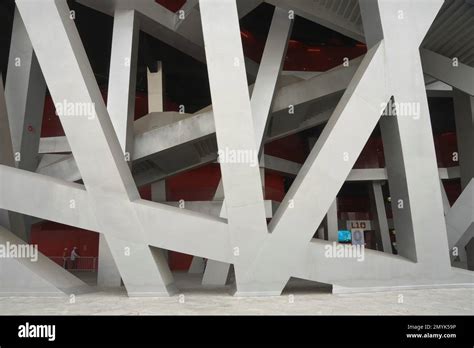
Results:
331 222
111 180
235 132
379 219
121 108
315 187
441 68
271 64
407 135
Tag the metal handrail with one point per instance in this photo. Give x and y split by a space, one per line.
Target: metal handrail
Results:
81 263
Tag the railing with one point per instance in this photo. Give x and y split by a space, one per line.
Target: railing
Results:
86 263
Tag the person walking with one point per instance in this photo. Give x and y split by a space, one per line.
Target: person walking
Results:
65 258
74 256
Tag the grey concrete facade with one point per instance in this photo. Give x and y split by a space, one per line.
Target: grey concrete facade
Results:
232 229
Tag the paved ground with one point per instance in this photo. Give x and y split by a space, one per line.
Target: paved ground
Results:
299 298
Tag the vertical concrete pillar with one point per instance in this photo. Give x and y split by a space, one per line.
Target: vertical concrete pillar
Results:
12 221
197 265
155 104
158 194
155 89
6 149
464 117
215 272
121 108
108 275
123 75
332 227
379 220
444 197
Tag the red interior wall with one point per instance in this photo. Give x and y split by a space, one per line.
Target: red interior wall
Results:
52 238
302 57
274 187
172 5
292 148
195 185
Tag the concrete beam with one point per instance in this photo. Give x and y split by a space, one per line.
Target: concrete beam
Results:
457 75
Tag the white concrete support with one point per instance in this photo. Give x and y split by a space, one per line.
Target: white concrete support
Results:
198 265
158 194
261 101
408 139
155 89
444 197
216 273
270 67
25 94
379 219
235 132
460 222
123 76
464 116
332 227
158 191
121 108
30 194
445 69
236 233
25 90
51 19
9 219
108 274
6 152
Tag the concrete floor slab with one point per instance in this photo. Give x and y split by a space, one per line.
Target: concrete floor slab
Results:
298 299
